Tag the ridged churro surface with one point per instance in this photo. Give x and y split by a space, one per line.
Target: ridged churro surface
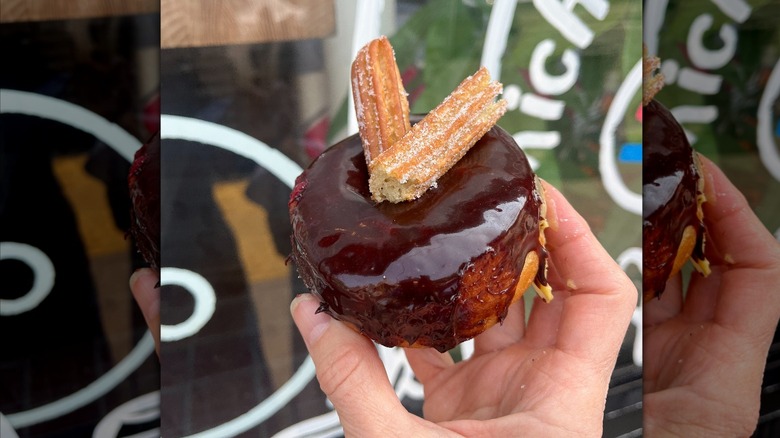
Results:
414 164
381 105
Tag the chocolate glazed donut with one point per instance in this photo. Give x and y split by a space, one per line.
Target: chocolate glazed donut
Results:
672 230
144 184
426 273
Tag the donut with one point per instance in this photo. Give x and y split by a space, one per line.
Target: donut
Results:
673 230
432 272
144 184
672 193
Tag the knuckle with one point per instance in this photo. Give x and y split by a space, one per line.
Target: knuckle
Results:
334 377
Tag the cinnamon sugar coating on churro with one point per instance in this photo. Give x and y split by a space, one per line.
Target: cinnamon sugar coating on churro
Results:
381 104
405 161
413 164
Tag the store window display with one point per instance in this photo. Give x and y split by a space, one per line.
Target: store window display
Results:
228 206
249 94
77 99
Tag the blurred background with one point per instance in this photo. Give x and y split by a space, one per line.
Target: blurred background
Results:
721 62
79 95
252 93
246 95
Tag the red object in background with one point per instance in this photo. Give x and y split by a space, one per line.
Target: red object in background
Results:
407 77
315 138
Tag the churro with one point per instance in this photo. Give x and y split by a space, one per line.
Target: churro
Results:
414 163
381 105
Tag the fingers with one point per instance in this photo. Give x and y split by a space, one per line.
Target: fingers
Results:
504 334
749 299
427 363
143 284
545 318
732 227
702 296
349 371
595 317
659 310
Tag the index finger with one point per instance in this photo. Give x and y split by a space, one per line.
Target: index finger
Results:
732 227
144 286
596 315
748 299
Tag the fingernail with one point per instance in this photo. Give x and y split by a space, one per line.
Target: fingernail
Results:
310 323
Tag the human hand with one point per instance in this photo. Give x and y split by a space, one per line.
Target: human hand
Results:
143 284
546 378
704 354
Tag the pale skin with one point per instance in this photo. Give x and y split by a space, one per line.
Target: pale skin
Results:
703 358
548 377
704 355
142 284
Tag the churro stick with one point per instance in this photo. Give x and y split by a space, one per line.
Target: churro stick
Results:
414 163
381 105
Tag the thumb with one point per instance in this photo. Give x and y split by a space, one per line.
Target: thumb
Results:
144 286
350 372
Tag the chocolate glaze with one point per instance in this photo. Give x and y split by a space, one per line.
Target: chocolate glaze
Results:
669 192
395 270
144 185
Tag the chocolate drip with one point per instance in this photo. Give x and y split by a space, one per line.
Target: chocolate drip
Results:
670 190
396 271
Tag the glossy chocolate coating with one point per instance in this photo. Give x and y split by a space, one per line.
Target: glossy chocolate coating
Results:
395 271
144 184
669 191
